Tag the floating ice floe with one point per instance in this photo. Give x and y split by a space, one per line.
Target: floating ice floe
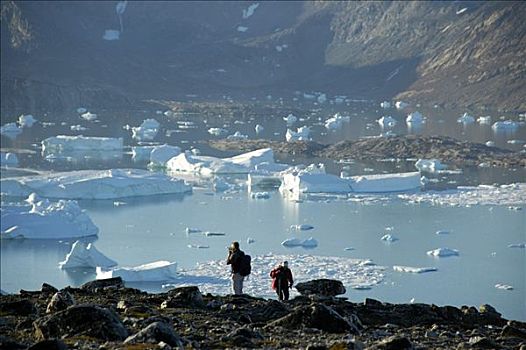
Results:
414 269
466 119
89 116
389 238
217 131
81 110
158 271
111 34
204 165
159 155
462 10
429 165
81 143
242 29
517 245
512 194
503 286
77 128
259 128
443 252
212 277
336 121
401 104
505 126
190 230
95 184
26 121
146 131
8 159
249 11
490 143
442 232
42 219
237 136
290 119
515 142
302 134
296 242
322 98
260 195
301 227
484 120
385 104
85 255
387 122
198 246
415 118
10 130
141 153
381 183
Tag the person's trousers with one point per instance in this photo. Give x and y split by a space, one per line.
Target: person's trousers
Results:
237 283
283 292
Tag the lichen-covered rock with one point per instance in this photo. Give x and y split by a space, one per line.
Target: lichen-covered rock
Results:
22 307
321 287
155 333
48 289
394 343
61 300
51 344
184 296
89 320
115 282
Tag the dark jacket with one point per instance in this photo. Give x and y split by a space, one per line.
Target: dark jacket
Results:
234 259
281 276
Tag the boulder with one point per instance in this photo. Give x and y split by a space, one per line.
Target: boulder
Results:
184 296
115 282
9 344
155 333
317 316
513 332
48 289
22 307
51 344
394 343
321 287
61 300
87 320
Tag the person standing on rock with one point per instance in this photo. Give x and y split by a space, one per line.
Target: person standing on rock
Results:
282 280
234 260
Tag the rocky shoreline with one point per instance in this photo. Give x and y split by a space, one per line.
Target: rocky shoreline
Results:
448 150
104 314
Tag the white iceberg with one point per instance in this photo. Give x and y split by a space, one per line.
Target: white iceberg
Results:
249 11
401 104
484 120
10 130
466 119
205 165
490 143
111 34
383 183
443 252
85 255
429 165
415 118
301 227
503 286
259 195
507 125
158 271
81 143
8 159
414 269
146 131
259 128
389 238
89 116
159 155
95 184
387 122
77 127
237 136
42 219
336 121
385 104
310 243
302 134
26 121
141 153
242 29
217 131
296 242
305 182
517 245
290 119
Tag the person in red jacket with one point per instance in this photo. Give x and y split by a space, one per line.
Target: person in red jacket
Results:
282 280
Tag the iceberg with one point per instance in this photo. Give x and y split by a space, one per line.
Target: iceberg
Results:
401 104
385 104
414 269
466 119
429 165
490 143
301 227
85 255
387 122
290 119
111 34
382 183
259 128
389 238
415 118
8 159
517 245
305 182
259 195
302 134
336 121
309 243
10 130
42 219
505 126
443 252
81 110
146 131
95 184
141 153
89 116
296 242
26 121
81 143
249 11
159 155
158 271
242 29
484 120
206 165
237 136
503 286
217 131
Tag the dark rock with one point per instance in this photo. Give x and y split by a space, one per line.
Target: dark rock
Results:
482 343
48 289
316 316
184 296
22 307
372 302
245 332
115 282
489 313
394 343
512 332
9 344
89 320
316 347
51 344
155 333
322 287
60 301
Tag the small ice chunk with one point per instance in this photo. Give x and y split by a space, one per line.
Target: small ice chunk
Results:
242 29
260 195
81 143
389 238
146 131
158 271
401 104
415 118
81 110
322 98
484 120
211 234
503 286
198 246
443 252
301 227
189 230
290 119
517 245
385 104
507 125
429 165
8 159
515 142
111 34
490 143
259 128
85 255
302 134
10 130
26 121
217 131
466 119
237 136
387 122
77 128
414 269
88 116
250 240
348 248
249 11
309 243
462 10
292 242
442 232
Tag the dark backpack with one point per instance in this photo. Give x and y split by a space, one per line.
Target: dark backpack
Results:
244 265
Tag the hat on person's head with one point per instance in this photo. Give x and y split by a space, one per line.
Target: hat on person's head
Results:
235 245
285 263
